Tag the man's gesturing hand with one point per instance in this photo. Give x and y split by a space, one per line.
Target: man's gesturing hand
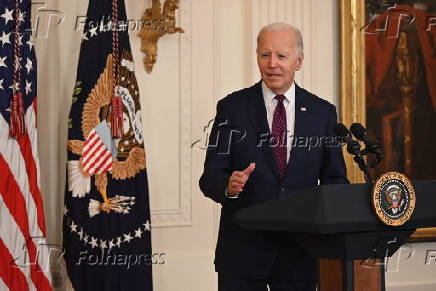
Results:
238 179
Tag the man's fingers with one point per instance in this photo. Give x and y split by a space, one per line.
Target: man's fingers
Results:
238 179
247 171
239 174
236 184
236 189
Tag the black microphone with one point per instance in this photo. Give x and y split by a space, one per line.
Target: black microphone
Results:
359 131
345 136
371 146
342 133
353 147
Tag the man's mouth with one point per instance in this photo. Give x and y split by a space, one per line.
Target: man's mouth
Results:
274 75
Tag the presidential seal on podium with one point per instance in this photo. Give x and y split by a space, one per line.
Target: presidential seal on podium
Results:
393 198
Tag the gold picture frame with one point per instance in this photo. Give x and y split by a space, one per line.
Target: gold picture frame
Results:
352 84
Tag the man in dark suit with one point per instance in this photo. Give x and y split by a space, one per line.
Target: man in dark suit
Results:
268 141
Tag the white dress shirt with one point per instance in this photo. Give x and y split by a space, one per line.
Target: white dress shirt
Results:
289 103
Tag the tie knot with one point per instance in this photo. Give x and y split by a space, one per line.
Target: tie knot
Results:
280 98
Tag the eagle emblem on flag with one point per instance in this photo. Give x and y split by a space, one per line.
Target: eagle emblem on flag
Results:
123 158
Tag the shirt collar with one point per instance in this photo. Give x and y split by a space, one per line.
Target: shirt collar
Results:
269 95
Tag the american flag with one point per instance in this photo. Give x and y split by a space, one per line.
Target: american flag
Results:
24 259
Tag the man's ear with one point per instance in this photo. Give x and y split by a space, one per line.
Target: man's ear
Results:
299 62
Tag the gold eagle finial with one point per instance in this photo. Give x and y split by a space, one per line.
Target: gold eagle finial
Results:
155 23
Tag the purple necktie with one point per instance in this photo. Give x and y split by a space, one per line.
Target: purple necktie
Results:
280 136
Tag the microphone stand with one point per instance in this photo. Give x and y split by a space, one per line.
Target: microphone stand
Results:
363 167
353 148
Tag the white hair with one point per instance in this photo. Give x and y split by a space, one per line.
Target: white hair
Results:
281 26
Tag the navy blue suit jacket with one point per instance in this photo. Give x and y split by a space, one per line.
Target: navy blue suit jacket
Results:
240 136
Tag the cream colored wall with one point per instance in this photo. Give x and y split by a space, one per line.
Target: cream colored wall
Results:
214 57
317 20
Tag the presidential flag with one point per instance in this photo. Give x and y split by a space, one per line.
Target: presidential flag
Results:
24 254
107 233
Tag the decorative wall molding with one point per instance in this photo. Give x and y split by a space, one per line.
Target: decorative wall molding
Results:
182 215
217 81
50 122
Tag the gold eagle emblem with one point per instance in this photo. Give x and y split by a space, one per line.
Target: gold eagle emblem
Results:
130 159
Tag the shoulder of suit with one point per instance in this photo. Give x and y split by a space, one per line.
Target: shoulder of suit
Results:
318 101
239 96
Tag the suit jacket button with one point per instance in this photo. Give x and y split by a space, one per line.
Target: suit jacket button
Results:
282 189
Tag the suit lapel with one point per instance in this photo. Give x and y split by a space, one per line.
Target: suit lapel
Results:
302 112
301 127
257 114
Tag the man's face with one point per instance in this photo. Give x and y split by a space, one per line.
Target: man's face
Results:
278 59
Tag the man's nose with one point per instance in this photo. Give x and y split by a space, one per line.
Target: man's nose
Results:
272 63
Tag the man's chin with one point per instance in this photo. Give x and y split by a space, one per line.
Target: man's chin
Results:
274 84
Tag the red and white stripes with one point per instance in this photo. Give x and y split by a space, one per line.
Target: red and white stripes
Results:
96 158
22 225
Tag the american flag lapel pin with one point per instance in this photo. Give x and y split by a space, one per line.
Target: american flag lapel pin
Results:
303 108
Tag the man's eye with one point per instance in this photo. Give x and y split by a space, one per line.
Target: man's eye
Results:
282 57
